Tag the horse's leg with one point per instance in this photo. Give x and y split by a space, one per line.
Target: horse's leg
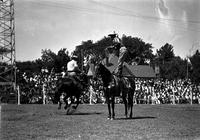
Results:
57 97
113 107
66 102
125 102
77 101
109 110
59 104
108 103
130 100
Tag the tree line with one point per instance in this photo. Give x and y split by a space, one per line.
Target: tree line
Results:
170 65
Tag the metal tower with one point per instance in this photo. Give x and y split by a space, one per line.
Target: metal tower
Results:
7 44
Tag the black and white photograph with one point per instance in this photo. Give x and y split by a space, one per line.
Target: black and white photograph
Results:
100 69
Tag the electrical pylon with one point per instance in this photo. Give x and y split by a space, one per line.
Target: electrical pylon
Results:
7 44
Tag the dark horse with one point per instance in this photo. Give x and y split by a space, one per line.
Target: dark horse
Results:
113 89
72 88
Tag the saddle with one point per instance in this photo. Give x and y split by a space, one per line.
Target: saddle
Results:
67 80
122 80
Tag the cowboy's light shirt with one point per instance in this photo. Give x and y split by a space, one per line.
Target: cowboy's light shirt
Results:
72 65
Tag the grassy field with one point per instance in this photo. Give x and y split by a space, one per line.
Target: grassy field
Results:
89 122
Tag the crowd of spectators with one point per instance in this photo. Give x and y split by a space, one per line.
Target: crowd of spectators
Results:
35 87
159 91
148 91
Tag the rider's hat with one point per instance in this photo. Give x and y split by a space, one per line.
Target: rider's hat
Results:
112 35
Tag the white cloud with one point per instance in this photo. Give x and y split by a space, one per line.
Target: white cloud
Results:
162 7
164 14
184 18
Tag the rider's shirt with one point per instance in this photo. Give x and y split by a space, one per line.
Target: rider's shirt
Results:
71 67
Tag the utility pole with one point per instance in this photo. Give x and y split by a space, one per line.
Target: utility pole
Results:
7 44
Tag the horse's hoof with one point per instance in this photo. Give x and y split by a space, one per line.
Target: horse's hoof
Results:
68 112
112 118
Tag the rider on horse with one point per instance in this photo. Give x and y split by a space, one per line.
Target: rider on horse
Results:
119 50
73 69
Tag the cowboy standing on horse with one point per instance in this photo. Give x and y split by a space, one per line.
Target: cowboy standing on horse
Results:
120 50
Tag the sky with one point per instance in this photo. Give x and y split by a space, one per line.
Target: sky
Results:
50 24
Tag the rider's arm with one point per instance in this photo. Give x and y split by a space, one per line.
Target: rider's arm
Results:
109 50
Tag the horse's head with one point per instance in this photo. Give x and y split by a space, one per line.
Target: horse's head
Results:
99 69
102 72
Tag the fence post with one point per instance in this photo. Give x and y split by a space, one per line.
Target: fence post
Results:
18 95
174 98
43 91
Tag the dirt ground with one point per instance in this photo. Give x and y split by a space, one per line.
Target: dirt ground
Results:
89 122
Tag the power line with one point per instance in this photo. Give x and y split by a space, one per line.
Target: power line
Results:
145 16
122 12
161 20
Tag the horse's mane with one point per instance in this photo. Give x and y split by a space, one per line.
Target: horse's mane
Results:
105 74
105 70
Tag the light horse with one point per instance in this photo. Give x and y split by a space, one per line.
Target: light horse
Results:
113 89
70 88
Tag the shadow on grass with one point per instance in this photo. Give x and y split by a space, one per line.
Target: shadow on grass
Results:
83 113
136 118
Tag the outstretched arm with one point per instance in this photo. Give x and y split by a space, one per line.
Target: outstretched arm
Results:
108 51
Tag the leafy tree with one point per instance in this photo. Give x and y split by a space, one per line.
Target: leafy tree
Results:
29 67
101 45
138 48
51 60
165 53
48 58
195 60
97 49
61 60
88 48
167 62
176 68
